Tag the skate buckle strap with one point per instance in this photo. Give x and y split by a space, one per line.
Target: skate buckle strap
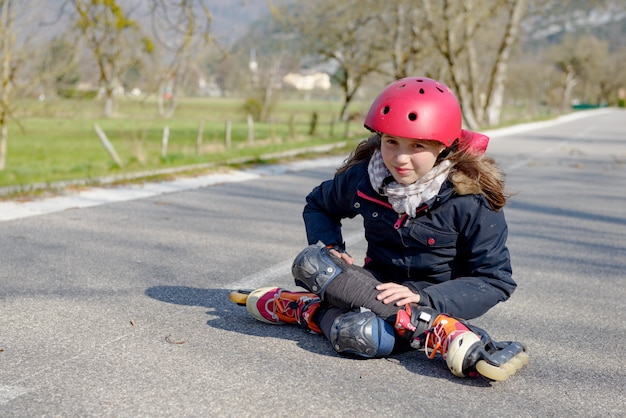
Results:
412 325
403 322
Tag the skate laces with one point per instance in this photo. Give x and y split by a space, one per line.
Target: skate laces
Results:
283 307
438 338
294 307
278 308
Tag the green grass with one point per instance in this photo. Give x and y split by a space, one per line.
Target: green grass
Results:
55 140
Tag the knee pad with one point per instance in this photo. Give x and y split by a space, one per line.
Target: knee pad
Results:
362 334
314 269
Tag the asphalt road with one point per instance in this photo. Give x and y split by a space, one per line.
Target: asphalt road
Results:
121 309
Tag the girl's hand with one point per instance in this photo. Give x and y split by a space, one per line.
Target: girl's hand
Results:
394 292
344 256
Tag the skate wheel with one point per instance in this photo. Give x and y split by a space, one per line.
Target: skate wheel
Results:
239 296
510 367
502 372
492 372
523 357
520 360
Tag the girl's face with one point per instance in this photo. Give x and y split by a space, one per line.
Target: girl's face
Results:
409 159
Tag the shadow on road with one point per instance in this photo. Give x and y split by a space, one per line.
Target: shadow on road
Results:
228 316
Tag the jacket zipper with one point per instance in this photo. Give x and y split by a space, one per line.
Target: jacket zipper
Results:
403 218
400 221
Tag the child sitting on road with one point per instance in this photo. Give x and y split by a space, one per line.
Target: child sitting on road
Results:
431 204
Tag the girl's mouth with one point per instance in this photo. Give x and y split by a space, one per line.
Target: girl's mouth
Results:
402 171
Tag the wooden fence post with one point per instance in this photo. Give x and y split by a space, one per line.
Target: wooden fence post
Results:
166 136
292 127
199 137
250 129
107 145
229 127
313 125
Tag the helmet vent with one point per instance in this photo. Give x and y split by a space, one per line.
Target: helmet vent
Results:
421 91
386 110
412 116
439 89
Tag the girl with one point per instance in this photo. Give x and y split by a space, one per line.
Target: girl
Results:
431 204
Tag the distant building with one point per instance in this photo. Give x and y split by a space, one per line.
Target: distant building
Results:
310 81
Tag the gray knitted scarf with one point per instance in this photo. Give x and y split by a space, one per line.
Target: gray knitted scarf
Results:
406 199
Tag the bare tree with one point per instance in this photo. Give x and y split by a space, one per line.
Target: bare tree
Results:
583 62
401 22
114 40
342 33
56 67
7 43
585 70
467 44
457 30
182 28
16 17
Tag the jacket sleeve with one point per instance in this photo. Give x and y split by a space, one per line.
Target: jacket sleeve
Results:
327 205
484 275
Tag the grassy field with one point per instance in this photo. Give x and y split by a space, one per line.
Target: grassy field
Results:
55 141
52 143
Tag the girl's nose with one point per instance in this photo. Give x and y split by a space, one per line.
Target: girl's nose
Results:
402 157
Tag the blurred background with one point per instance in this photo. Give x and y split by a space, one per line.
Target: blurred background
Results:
173 83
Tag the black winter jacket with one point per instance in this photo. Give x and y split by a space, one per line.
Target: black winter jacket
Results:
453 253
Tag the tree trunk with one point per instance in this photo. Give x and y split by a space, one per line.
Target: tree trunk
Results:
108 104
569 83
454 34
343 115
350 86
399 66
268 90
467 108
495 92
8 38
4 140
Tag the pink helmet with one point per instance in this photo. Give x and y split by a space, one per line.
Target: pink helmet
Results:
416 107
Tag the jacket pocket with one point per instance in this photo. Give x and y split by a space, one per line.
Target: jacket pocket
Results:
441 244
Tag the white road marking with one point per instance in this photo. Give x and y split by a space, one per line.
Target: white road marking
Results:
8 393
262 278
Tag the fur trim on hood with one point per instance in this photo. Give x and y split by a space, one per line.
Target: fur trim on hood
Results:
464 184
472 174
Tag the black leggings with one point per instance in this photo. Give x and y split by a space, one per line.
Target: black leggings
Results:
355 287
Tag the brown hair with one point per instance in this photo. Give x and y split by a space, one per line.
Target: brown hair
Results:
470 173
363 152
